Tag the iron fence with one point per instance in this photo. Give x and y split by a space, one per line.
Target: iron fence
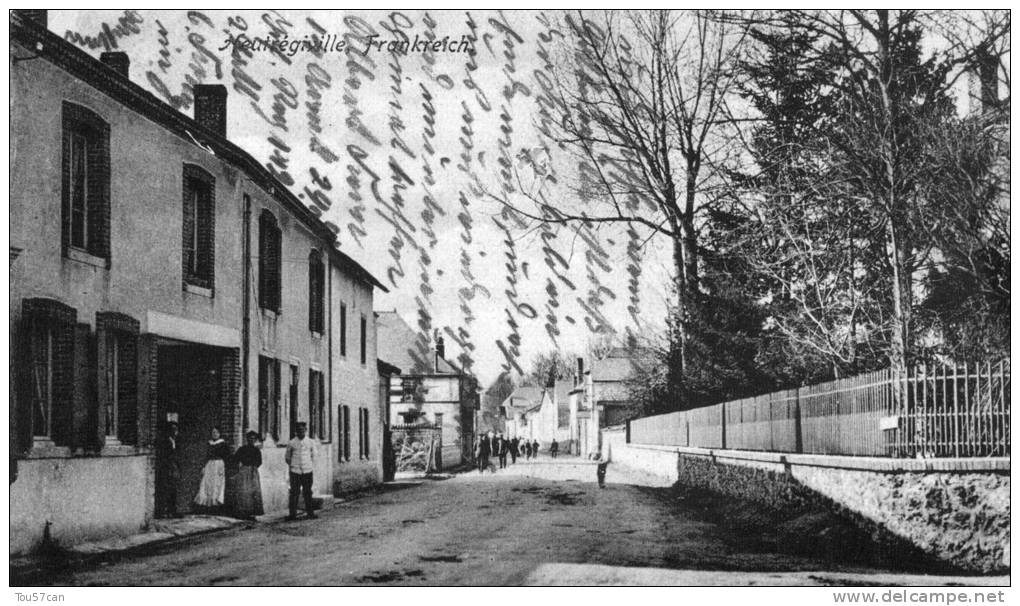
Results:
927 411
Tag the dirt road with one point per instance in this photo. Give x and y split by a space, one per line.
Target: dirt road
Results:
493 529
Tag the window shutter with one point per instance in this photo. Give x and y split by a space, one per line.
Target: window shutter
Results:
322 406
22 418
127 428
187 227
99 190
206 214
63 380
276 399
276 257
93 434
65 190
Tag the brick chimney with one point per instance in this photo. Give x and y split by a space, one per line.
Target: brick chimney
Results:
118 61
211 107
40 16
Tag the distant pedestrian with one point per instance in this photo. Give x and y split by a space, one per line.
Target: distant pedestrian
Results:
600 473
214 475
247 486
514 443
554 448
169 472
493 449
504 450
527 450
300 458
534 449
483 453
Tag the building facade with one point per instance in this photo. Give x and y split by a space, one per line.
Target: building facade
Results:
159 273
432 391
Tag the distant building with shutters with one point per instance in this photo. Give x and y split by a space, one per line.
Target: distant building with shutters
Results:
159 273
429 390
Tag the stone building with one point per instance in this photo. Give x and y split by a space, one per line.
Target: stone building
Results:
433 391
160 273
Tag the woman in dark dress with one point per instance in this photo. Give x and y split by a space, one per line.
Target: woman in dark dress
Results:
248 487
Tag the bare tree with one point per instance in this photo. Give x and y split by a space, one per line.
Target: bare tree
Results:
637 100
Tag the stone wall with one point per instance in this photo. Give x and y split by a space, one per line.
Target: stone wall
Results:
953 512
83 499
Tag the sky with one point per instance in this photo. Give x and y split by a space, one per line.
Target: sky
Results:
376 140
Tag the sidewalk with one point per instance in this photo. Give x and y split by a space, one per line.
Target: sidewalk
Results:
24 570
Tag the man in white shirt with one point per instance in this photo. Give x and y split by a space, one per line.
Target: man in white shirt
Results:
300 459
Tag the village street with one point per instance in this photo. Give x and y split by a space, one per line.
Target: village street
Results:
544 523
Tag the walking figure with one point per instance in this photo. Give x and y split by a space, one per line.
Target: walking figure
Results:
600 473
554 448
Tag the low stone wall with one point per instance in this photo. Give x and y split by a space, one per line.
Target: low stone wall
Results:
83 499
953 511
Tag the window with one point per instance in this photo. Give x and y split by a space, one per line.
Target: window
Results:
117 368
295 375
316 292
343 329
346 418
316 405
364 338
47 382
86 182
270 262
198 227
269 397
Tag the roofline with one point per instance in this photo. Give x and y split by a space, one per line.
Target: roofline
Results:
385 368
86 68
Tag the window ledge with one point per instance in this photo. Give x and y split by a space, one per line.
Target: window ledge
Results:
272 315
46 449
81 256
316 334
198 290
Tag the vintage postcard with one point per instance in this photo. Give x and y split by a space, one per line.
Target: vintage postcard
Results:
697 298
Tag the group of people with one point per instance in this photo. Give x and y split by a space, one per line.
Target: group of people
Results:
240 491
493 446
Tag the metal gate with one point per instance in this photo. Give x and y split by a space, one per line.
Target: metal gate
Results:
417 448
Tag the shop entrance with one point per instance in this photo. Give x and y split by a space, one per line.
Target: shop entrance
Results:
189 392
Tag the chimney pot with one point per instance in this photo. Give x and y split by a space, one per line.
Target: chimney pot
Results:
118 61
211 107
40 16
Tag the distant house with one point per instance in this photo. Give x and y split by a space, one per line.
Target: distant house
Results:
601 398
516 407
429 389
550 418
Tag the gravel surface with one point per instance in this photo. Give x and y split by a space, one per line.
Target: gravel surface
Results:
468 529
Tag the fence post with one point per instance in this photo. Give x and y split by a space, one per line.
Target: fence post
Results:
798 439
722 424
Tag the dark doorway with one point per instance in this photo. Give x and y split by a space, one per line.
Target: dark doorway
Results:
188 385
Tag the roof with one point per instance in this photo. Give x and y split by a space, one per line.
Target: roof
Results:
619 365
385 368
398 344
526 396
395 341
83 66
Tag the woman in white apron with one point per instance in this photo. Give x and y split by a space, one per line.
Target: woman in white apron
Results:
214 476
